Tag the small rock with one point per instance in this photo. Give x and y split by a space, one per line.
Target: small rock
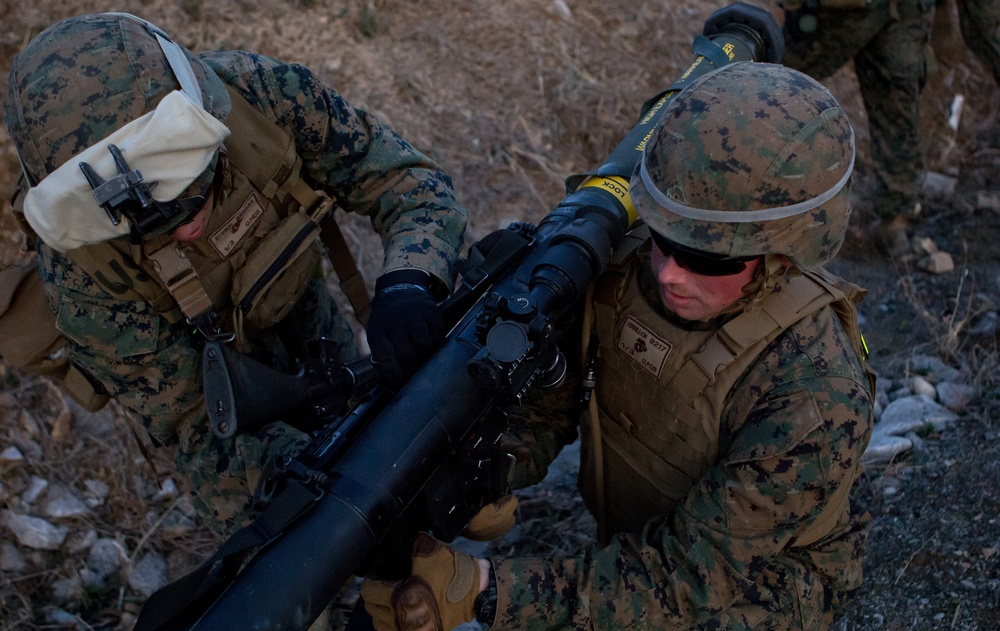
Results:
65 590
882 448
937 186
149 574
967 584
925 246
64 503
81 540
956 396
937 263
562 9
919 385
11 559
90 579
30 424
34 532
900 393
168 490
182 519
988 200
35 488
96 489
100 424
106 556
986 325
60 617
11 455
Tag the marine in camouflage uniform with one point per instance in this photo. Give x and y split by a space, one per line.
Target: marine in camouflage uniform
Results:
888 42
726 439
85 77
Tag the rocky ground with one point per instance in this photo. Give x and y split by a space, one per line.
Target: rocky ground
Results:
511 97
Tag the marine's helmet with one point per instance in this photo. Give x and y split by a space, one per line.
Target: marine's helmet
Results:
81 82
750 159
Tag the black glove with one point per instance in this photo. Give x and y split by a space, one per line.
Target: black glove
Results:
405 324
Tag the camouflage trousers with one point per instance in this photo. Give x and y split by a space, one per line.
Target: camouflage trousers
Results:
980 22
224 473
888 43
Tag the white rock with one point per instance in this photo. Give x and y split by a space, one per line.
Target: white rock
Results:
81 540
89 578
883 448
11 454
106 556
937 263
919 385
149 574
956 396
911 413
36 486
11 559
168 490
34 532
63 502
100 424
181 519
899 418
96 489
900 393
66 590
61 617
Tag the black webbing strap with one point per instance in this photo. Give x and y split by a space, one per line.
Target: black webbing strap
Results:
178 605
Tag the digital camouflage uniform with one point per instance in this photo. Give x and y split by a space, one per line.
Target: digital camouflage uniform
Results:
795 424
152 364
729 450
888 43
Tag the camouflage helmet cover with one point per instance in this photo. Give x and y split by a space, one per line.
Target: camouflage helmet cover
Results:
87 76
750 159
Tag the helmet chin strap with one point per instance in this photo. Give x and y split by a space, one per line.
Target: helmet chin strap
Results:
182 69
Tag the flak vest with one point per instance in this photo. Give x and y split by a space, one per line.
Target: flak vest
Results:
260 249
660 392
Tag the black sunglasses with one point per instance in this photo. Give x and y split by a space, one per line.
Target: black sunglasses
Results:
698 262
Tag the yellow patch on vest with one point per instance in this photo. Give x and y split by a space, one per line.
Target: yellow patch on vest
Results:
643 347
227 237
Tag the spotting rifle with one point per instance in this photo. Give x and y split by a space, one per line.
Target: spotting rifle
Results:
426 457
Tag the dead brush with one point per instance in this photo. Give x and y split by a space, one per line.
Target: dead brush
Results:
946 329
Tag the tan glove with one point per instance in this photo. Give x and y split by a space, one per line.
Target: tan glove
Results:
492 520
439 595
